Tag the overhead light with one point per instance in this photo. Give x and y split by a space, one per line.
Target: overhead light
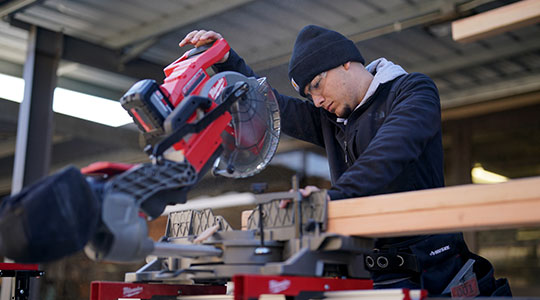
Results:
481 175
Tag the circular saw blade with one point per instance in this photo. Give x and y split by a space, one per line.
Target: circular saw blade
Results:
253 134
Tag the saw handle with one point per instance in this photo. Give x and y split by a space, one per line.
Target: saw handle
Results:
200 49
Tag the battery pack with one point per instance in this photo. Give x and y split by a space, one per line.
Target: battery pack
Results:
148 105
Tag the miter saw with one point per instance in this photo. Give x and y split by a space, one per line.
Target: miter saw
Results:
193 121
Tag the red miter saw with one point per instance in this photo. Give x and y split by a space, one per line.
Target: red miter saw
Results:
197 113
194 120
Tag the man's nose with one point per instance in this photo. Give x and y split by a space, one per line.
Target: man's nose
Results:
318 100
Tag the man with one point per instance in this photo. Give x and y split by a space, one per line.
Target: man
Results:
381 129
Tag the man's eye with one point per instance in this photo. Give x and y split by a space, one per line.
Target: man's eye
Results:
316 85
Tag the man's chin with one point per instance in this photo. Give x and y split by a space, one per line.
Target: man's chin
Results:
343 113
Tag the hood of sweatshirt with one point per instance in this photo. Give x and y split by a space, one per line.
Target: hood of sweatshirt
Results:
383 71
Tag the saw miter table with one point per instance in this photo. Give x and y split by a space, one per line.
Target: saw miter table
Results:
275 256
198 120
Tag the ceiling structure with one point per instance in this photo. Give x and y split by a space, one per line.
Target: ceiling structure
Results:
108 45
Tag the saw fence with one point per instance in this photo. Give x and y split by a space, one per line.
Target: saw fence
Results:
511 204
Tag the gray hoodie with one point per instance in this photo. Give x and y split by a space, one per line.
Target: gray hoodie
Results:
383 71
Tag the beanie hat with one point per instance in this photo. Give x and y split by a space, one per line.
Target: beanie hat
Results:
317 50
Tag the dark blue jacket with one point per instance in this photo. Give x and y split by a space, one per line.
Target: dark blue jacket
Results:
392 143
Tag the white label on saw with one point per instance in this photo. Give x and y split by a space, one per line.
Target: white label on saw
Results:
217 88
278 286
130 292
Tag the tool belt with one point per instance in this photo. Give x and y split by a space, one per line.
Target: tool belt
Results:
436 259
378 261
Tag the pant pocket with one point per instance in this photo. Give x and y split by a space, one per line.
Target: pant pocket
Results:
502 288
486 280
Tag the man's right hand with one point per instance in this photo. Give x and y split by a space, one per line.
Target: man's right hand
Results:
198 38
305 192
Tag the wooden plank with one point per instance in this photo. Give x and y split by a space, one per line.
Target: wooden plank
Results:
469 207
496 21
488 107
156 228
456 196
245 218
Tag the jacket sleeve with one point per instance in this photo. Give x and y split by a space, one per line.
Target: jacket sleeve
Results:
413 121
299 119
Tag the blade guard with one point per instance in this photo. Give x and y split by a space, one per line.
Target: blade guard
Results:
250 139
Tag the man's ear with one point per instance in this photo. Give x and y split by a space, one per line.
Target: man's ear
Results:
347 65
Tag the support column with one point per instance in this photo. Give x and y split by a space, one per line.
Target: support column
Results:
35 128
460 155
460 165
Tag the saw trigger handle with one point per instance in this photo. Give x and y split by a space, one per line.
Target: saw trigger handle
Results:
200 49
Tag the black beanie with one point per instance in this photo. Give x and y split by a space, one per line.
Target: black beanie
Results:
317 50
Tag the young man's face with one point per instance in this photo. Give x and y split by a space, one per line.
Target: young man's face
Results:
332 91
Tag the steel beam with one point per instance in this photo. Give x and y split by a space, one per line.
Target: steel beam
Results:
459 157
469 59
79 82
86 53
33 148
66 126
13 6
508 88
100 57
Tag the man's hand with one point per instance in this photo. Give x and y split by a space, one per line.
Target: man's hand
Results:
198 38
305 192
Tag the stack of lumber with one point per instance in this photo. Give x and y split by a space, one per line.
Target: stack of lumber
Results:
511 204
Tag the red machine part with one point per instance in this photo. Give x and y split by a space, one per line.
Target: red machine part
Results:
245 287
22 274
252 286
201 146
187 76
18 267
106 168
107 290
